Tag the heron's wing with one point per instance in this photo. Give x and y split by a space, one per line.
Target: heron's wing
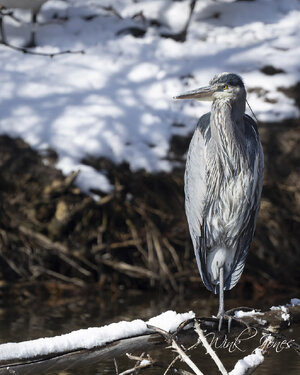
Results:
195 192
256 161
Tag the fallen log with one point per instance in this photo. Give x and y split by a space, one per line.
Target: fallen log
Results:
138 337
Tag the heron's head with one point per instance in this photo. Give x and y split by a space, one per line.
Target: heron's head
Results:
222 86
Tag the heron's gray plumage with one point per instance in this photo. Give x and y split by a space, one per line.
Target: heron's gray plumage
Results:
223 182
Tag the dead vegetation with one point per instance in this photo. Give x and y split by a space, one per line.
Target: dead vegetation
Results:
136 236
51 230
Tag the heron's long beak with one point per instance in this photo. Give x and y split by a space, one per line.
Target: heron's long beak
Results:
203 93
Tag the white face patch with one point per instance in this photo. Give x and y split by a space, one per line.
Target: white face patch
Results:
223 94
230 92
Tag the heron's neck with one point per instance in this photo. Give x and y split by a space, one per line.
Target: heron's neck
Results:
227 128
226 120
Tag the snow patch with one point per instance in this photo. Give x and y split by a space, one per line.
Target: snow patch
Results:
295 301
249 362
242 314
285 314
170 320
90 337
115 101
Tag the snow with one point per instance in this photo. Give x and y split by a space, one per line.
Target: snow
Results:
295 301
285 315
91 337
242 314
249 362
170 320
115 100
284 308
145 362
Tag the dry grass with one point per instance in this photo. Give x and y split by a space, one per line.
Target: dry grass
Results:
136 236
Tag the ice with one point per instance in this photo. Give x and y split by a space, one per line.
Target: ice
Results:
115 100
90 337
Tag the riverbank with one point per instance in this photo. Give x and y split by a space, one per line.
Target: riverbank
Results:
136 236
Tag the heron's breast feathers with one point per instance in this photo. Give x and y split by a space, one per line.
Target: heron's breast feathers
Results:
222 190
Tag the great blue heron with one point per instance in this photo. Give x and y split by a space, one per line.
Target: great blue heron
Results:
223 183
33 5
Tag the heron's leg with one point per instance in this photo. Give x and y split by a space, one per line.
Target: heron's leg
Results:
221 292
221 311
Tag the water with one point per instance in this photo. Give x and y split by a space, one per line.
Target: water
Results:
28 319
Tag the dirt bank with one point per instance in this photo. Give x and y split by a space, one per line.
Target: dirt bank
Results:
137 236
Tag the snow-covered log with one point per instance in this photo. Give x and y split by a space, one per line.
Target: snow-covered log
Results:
86 345
93 345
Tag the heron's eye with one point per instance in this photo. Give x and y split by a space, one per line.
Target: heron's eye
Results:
225 87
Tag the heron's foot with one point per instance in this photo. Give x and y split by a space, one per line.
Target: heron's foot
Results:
229 317
237 317
222 315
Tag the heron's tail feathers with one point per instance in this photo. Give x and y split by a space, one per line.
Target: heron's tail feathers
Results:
209 266
201 262
234 276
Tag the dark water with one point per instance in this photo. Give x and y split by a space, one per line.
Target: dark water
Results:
32 319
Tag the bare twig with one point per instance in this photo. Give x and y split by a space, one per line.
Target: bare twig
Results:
113 246
174 345
116 366
144 210
129 269
185 358
61 186
173 253
74 264
105 199
136 238
161 259
112 10
135 357
62 251
123 244
181 36
209 349
59 276
18 270
141 363
30 52
151 259
178 357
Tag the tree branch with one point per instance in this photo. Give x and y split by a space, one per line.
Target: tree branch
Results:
30 52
